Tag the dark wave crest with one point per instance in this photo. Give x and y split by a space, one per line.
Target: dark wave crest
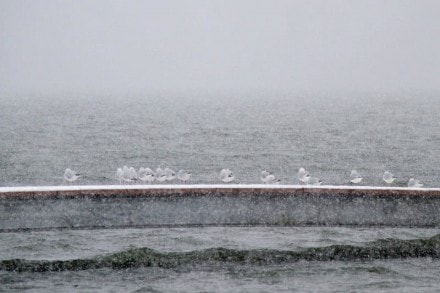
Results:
146 257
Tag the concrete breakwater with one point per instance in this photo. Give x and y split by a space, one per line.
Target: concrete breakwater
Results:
85 207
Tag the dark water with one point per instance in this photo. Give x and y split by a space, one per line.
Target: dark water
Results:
222 259
146 257
329 135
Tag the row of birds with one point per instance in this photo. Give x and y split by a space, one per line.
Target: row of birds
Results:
126 174
129 174
355 178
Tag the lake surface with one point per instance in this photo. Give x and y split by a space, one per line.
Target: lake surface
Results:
328 135
221 259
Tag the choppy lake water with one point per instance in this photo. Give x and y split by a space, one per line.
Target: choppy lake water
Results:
224 259
94 135
329 135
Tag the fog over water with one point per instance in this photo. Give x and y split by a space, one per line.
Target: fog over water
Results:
213 46
204 85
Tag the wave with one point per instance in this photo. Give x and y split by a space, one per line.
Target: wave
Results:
146 257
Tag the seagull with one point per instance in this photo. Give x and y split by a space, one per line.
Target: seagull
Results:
133 173
170 174
414 183
303 175
226 175
268 178
146 174
129 174
70 175
355 177
141 172
183 175
120 175
160 175
313 181
388 177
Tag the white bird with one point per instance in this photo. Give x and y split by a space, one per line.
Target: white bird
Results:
133 173
70 175
120 175
355 177
313 181
146 174
170 174
303 175
268 178
142 174
183 175
414 183
388 177
129 174
160 175
226 175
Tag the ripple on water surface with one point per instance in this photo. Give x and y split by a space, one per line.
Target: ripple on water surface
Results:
222 259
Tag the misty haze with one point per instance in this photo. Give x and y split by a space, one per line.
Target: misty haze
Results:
212 46
204 101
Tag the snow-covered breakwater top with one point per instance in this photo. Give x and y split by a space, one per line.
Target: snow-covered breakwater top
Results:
204 189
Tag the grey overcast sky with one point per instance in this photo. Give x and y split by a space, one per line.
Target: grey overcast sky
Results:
225 45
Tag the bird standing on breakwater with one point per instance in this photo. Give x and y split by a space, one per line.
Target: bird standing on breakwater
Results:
268 178
120 175
160 175
170 174
414 183
128 174
355 177
303 175
313 181
183 176
226 175
70 175
388 177
146 174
